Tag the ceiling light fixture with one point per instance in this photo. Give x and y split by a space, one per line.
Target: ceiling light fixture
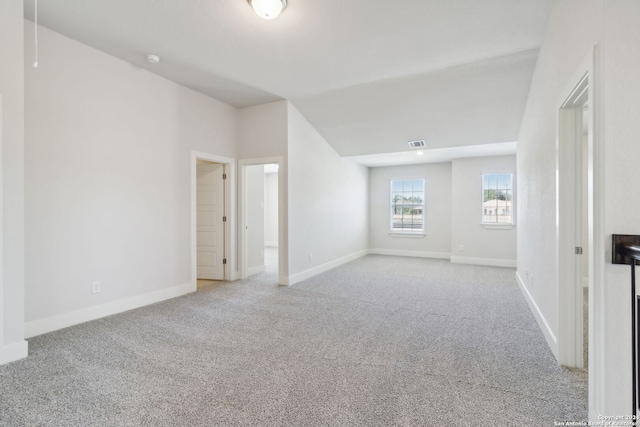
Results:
153 59
268 9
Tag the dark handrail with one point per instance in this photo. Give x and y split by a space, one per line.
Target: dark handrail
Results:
632 252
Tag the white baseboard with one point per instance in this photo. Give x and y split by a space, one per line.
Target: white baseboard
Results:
299 277
552 341
595 416
60 321
283 281
255 270
12 352
416 254
271 244
492 262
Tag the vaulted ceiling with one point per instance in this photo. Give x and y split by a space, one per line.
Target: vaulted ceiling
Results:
368 74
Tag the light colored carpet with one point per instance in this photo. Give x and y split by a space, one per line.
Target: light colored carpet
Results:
382 341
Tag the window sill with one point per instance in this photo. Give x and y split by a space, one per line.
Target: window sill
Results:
410 235
498 226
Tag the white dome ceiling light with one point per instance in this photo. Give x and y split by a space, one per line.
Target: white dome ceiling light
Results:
153 59
268 9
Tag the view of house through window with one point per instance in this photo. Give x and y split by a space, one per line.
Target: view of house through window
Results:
497 206
407 205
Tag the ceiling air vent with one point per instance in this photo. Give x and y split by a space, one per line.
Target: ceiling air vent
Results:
417 144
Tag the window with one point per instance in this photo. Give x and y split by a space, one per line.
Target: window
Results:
407 205
497 199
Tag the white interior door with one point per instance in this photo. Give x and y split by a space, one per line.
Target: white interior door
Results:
209 221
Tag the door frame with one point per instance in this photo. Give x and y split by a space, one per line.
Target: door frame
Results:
586 81
569 205
230 270
282 229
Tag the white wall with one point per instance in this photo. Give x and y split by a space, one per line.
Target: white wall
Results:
621 50
564 49
575 27
108 180
263 133
254 218
327 203
481 245
12 344
437 214
271 209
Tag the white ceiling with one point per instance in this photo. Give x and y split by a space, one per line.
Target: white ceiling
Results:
477 103
437 155
368 74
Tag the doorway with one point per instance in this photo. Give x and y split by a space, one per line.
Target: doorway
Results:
573 225
213 225
261 199
580 224
210 219
271 243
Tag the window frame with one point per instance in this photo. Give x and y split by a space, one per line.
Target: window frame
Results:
404 232
498 225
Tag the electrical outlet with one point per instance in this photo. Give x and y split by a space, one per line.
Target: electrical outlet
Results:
310 257
95 287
